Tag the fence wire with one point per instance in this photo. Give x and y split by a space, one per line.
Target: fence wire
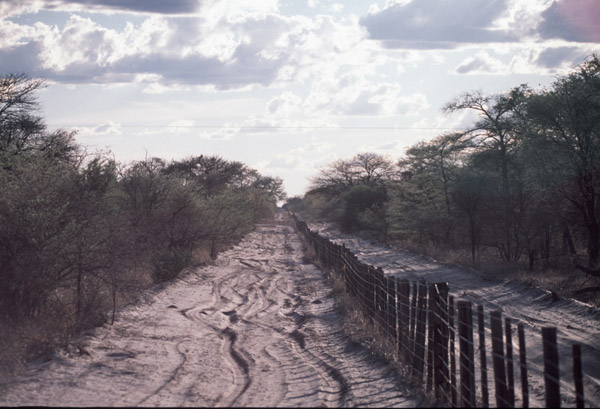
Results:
444 344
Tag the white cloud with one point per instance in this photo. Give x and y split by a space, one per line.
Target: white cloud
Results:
304 158
573 20
104 6
481 63
232 44
544 59
427 24
107 128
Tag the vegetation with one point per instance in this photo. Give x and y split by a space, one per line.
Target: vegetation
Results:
81 234
520 187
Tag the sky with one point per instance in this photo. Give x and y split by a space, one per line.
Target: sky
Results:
285 86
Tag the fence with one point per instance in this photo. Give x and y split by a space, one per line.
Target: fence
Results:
433 336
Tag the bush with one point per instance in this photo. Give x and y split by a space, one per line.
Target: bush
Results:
168 264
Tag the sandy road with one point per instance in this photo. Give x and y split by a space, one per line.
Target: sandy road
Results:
259 328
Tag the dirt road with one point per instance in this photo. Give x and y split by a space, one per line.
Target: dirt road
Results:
259 328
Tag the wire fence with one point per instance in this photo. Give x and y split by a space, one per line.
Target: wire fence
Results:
434 338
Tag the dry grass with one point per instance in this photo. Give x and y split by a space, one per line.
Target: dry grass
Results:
561 278
202 256
361 330
36 339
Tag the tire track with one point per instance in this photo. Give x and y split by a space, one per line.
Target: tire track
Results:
170 379
241 363
260 319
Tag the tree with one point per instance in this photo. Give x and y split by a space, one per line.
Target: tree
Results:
434 163
212 174
356 201
368 169
497 132
566 118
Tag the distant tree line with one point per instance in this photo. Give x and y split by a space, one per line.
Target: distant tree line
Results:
523 182
80 233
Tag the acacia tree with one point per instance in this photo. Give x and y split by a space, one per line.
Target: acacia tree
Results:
566 119
352 186
368 168
430 167
497 131
211 174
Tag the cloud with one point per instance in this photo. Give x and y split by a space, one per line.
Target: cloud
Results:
133 6
108 128
573 20
432 24
303 158
481 63
561 57
356 94
225 46
539 59
178 50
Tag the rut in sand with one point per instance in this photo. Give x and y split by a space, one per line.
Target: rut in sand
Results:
259 328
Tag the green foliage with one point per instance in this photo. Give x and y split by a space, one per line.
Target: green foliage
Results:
80 232
523 181
168 264
357 200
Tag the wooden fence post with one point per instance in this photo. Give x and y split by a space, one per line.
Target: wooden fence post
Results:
551 372
452 349
432 294
398 348
467 362
386 302
578 375
440 342
392 310
498 359
420 331
523 363
371 289
413 320
482 357
381 287
404 334
509 363
379 282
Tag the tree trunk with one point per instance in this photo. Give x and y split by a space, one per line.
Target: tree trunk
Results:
531 255
473 234
78 301
568 239
213 249
593 245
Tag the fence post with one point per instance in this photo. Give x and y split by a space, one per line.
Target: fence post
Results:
386 302
578 375
379 282
432 294
370 288
482 357
398 331
404 318
523 362
421 317
498 359
452 349
413 319
467 363
383 300
391 306
509 363
551 374
440 342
